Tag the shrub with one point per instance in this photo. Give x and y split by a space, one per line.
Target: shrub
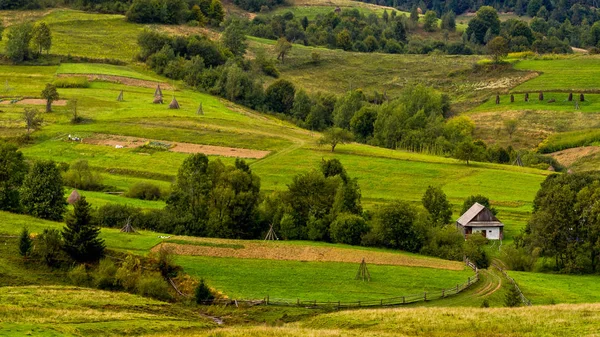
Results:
153 285
49 247
513 297
104 277
348 229
165 262
81 176
144 191
72 82
129 273
79 276
203 293
518 259
116 215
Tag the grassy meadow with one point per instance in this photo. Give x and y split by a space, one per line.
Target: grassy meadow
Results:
384 175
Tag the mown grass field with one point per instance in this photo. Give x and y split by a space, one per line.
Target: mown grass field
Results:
104 69
572 73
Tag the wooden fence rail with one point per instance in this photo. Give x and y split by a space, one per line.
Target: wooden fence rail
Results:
388 302
523 298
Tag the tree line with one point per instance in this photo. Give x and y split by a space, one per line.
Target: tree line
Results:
564 228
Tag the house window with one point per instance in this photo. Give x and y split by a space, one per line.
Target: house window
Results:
490 231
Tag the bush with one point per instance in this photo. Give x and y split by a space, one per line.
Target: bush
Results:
81 176
144 191
79 276
104 277
129 273
165 262
72 82
446 243
518 259
348 229
203 293
153 285
25 243
116 215
49 247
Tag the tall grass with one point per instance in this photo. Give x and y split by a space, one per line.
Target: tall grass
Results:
568 140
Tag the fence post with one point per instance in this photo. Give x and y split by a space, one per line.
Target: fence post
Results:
267 299
468 280
403 300
382 302
359 303
443 293
425 296
457 288
298 302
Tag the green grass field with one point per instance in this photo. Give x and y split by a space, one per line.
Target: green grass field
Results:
70 311
103 69
574 73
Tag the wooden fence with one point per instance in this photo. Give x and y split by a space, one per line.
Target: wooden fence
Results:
388 302
523 298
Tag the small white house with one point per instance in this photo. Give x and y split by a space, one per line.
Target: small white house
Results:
479 219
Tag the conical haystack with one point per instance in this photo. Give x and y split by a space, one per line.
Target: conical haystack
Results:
73 197
128 228
200 111
157 100
158 92
174 104
363 272
120 98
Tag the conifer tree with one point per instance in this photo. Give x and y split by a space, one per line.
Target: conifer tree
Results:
80 235
512 298
25 243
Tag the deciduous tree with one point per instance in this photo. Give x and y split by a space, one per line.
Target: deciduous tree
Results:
42 194
50 95
335 136
435 202
41 37
33 119
12 173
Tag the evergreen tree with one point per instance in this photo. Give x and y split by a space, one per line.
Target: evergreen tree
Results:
80 235
25 243
203 293
414 14
512 298
42 193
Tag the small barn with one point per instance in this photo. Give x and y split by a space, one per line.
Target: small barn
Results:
479 219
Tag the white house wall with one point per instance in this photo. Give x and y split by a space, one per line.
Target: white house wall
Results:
492 233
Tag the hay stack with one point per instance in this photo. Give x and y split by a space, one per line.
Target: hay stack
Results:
497 99
541 96
512 98
581 98
158 92
157 100
570 96
73 197
174 104
120 98
551 168
526 97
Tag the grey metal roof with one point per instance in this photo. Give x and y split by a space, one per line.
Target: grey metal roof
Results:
466 220
470 214
485 224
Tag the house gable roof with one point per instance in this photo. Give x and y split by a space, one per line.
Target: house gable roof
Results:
479 216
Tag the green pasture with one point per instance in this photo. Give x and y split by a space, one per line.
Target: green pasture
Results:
322 281
575 73
103 69
543 288
70 311
100 36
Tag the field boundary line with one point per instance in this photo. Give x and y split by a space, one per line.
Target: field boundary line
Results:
521 295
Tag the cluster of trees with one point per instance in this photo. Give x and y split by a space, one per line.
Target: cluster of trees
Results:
557 10
517 35
195 12
565 224
258 5
217 200
352 30
27 41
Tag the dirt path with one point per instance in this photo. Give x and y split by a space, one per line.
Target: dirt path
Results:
36 101
569 156
122 80
492 286
134 142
